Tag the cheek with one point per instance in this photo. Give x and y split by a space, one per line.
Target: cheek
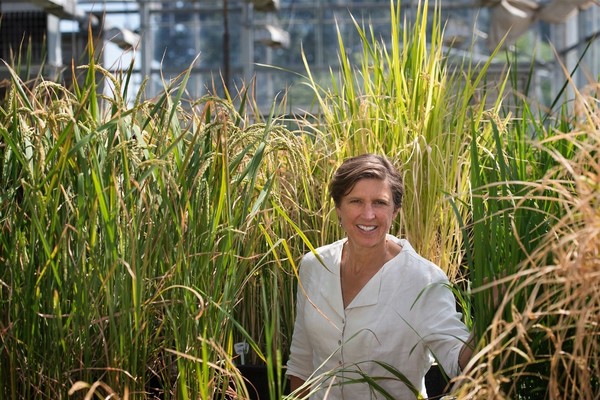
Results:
346 211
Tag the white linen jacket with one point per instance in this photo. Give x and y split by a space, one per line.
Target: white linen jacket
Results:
404 316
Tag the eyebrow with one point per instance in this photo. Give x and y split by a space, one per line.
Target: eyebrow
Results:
383 199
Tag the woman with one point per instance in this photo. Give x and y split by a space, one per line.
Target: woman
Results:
369 301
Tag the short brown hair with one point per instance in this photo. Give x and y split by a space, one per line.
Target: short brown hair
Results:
366 166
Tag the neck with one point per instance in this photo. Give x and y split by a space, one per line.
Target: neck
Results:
365 259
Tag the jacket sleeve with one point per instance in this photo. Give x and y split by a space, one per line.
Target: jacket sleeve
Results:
300 363
445 333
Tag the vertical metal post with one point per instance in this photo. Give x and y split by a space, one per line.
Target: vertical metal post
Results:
565 37
53 35
571 39
147 47
226 45
247 41
269 61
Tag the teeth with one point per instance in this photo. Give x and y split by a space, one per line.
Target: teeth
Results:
366 228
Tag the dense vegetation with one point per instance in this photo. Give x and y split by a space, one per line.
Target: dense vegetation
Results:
140 241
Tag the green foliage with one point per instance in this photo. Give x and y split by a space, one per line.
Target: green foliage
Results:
528 291
141 241
404 100
128 231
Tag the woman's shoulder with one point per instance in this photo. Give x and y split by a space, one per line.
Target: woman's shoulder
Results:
327 251
324 258
416 265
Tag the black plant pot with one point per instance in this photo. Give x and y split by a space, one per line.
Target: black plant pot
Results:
435 382
258 381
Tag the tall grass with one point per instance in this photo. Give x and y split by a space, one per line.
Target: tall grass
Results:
142 241
402 98
479 195
131 234
533 229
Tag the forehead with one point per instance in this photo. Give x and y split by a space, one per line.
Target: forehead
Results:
371 187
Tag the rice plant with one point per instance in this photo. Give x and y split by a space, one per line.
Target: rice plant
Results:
495 172
534 234
131 234
403 99
142 241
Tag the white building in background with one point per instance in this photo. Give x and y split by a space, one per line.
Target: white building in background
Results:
33 39
238 40
29 30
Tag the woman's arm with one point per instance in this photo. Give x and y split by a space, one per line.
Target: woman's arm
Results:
466 352
295 383
300 359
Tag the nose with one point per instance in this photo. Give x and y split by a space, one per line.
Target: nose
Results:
368 211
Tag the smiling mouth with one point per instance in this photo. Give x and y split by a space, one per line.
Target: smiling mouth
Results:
366 228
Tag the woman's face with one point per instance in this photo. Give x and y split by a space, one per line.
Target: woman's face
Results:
367 212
